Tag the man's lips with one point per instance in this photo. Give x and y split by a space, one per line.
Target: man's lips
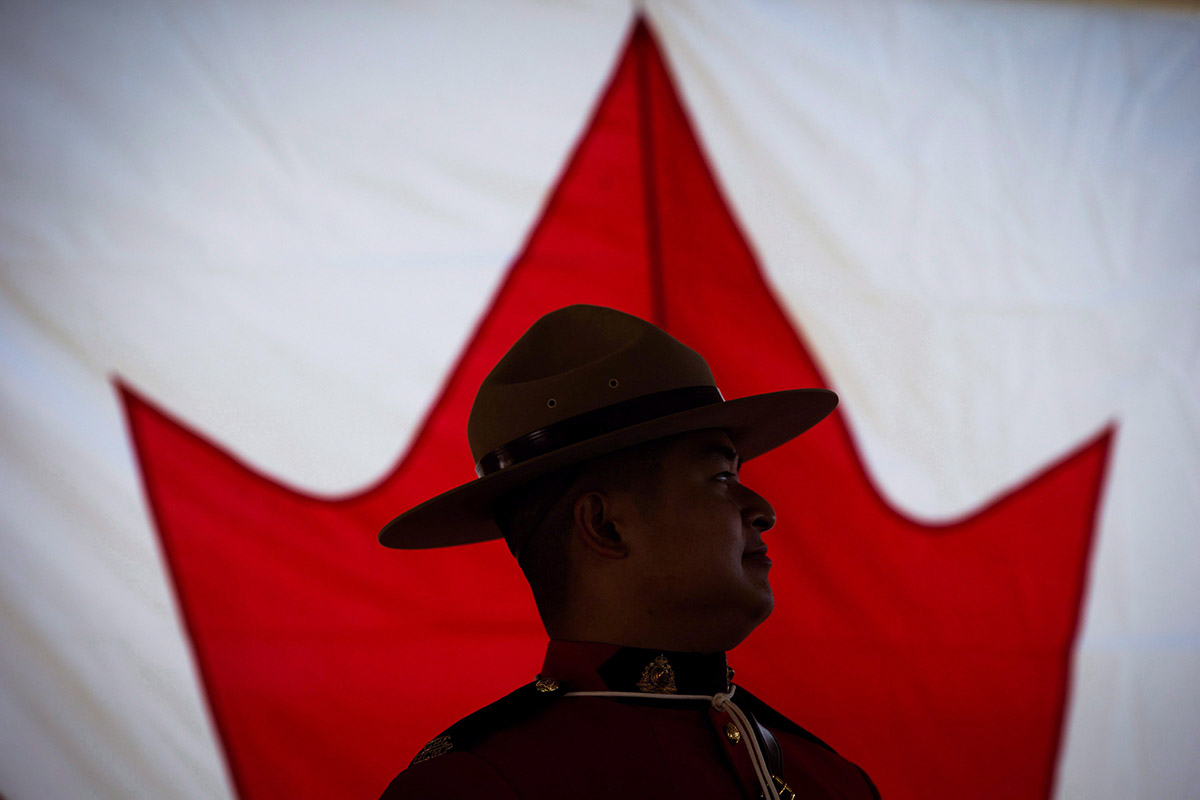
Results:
758 556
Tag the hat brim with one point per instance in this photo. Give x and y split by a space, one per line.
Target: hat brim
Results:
463 515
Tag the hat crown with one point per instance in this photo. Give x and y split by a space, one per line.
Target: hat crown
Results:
574 360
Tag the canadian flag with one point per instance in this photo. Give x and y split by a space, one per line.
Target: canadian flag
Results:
255 265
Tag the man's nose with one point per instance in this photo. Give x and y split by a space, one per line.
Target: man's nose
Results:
757 512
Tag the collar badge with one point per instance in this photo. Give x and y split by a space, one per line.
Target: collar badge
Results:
658 677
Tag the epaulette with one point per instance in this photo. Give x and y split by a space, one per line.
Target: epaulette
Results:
512 709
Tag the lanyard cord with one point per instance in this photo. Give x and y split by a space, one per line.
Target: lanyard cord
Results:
721 701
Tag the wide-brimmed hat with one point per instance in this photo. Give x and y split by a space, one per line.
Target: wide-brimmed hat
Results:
585 381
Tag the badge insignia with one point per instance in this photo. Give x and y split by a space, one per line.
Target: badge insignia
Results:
436 747
658 677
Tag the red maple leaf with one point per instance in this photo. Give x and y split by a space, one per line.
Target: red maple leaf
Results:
936 657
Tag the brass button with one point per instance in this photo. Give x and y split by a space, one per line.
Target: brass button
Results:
732 733
546 685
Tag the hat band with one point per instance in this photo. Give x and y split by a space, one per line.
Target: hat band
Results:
595 423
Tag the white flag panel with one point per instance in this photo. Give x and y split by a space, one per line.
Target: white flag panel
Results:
282 225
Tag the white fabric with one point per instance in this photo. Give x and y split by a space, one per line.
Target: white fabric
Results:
283 224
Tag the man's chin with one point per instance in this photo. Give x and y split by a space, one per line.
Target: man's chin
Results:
764 598
769 606
761 609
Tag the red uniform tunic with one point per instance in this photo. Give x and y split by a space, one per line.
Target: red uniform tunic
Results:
541 742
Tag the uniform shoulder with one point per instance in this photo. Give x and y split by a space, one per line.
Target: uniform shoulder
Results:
456 776
776 720
512 709
434 763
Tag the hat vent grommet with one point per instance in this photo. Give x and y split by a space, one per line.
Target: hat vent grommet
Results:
613 383
551 403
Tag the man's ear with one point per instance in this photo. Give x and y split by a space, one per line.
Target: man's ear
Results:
594 524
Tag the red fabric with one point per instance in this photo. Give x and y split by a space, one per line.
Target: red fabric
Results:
600 747
938 656
596 748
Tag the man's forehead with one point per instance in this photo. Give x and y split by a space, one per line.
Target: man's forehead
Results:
708 443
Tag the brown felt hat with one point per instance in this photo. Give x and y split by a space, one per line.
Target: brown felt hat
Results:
585 381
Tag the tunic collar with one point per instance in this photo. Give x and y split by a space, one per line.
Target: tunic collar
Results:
595 666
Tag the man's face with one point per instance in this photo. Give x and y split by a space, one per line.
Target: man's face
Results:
699 549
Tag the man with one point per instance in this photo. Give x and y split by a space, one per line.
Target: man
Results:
608 461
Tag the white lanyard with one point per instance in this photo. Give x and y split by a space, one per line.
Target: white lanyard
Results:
721 701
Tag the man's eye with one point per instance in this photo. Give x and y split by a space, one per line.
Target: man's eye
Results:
725 477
